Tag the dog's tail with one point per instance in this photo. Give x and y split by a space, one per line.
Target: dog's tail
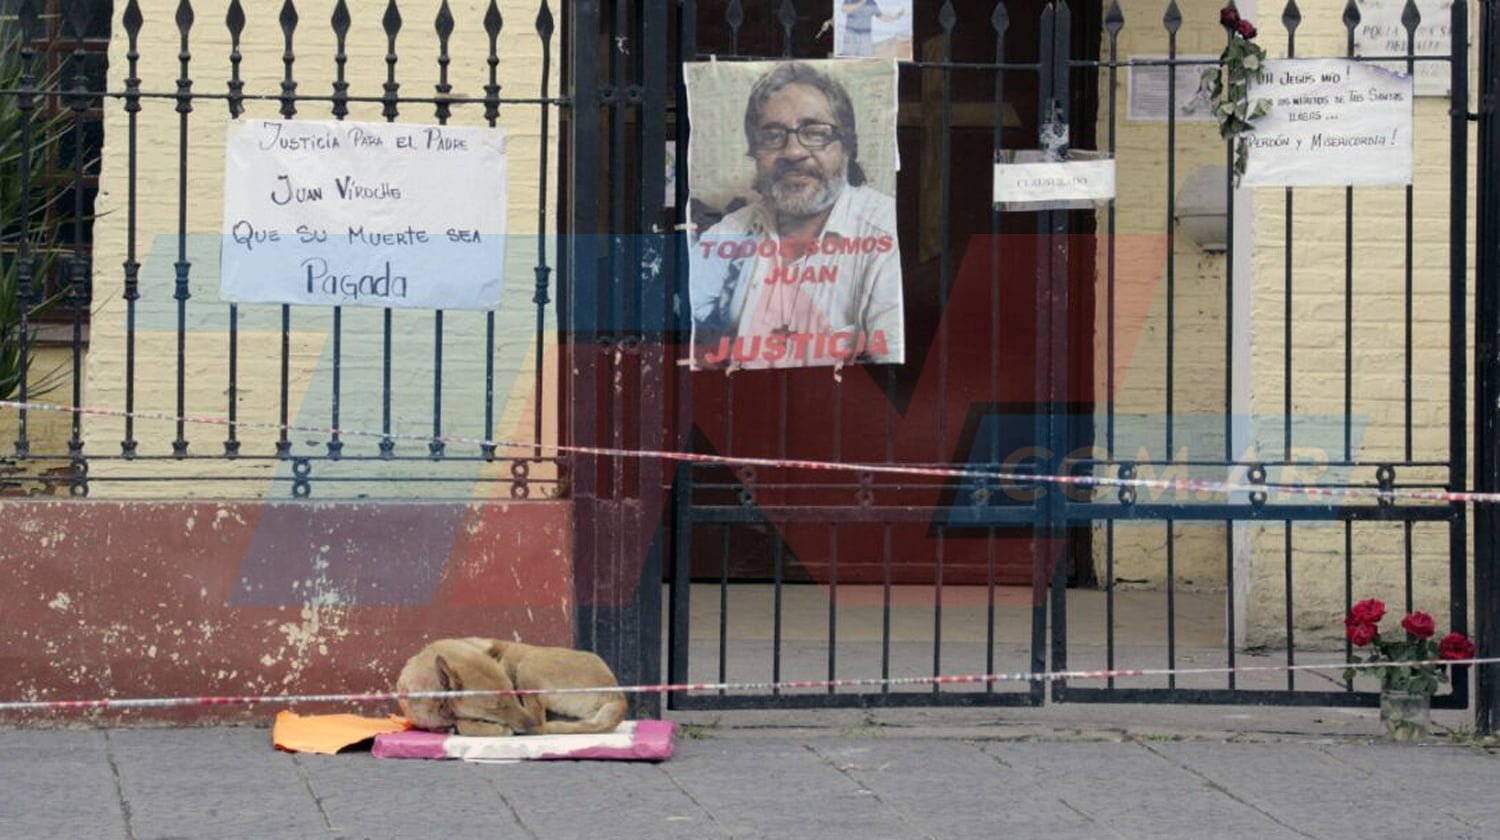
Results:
604 719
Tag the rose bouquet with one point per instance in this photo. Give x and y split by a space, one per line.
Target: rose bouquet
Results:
1229 84
1414 645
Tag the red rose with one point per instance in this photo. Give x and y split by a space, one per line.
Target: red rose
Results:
1419 624
1246 29
1229 17
1367 612
1455 646
1362 634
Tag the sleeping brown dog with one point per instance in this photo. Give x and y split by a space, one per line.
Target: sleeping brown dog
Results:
533 667
476 663
461 665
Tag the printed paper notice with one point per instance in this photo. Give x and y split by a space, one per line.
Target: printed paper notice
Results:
363 214
1381 32
1332 123
1147 100
1025 183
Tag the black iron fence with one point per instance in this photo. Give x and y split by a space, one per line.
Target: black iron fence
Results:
1020 329
434 385
1016 323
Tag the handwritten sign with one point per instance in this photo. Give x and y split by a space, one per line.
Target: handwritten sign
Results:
1026 184
1333 122
1380 32
363 214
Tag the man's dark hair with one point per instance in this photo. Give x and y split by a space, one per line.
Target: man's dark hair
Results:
800 73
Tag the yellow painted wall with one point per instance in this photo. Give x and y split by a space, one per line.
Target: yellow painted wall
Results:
207 341
1141 302
47 432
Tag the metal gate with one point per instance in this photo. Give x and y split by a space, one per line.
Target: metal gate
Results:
1015 321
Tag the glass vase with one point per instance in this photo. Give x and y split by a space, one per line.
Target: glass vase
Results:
1405 714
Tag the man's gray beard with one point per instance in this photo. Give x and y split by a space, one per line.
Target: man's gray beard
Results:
801 205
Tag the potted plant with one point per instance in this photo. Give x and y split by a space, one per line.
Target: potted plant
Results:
1415 668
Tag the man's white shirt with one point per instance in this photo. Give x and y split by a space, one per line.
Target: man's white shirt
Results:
851 283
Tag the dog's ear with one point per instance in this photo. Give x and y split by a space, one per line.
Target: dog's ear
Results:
447 679
495 651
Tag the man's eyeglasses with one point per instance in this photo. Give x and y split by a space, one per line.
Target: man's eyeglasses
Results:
811 135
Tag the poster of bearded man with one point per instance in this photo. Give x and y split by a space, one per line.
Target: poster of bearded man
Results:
791 177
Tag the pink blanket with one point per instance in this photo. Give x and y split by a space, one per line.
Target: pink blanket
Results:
646 740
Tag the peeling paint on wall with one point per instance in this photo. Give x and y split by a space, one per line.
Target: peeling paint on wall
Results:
128 599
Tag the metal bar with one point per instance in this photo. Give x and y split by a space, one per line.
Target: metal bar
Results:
723 602
682 493
1172 21
182 267
1053 329
894 699
540 294
1487 374
1229 638
656 71
946 20
679 631
340 23
1242 697
283 444
1114 21
777 571
1077 514
443 26
1409 264
78 274
390 23
493 24
1348 586
833 601
1350 23
885 604
131 21
1000 22
1291 18
1229 325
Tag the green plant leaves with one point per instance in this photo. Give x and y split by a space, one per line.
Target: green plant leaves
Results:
30 211
1229 83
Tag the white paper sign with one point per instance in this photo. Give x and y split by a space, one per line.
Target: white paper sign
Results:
1147 100
1086 180
1380 32
363 214
1332 123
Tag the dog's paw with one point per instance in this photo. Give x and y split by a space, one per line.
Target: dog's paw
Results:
483 728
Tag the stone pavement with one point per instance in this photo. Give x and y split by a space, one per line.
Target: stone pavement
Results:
944 774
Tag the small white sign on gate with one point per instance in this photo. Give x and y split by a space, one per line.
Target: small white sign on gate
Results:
1028 180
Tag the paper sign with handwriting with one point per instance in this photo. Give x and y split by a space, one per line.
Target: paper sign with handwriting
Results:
1381 32
1332 123
363 214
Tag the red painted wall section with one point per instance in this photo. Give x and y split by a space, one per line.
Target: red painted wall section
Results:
146 599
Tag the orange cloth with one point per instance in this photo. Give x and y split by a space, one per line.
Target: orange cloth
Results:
328 734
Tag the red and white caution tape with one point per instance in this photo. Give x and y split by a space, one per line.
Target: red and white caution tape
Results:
785 685
1011 476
